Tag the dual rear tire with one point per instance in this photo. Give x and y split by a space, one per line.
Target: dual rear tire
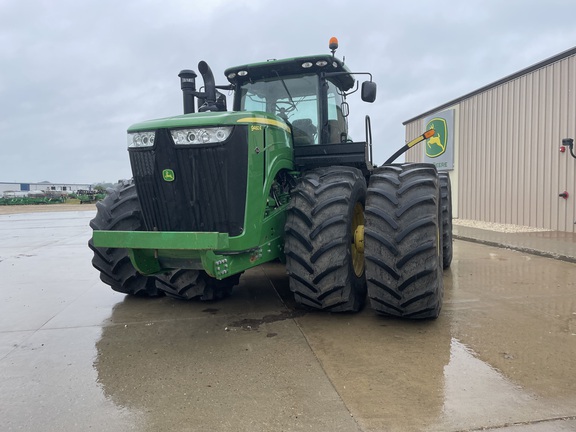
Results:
345 240
324 254
446 204
403 241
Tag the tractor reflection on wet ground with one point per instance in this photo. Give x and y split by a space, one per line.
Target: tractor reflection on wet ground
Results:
75 355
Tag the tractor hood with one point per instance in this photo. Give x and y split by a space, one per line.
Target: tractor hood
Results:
212 119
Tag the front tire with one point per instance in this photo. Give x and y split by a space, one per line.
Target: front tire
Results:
120 211
324 239
403 250
186 284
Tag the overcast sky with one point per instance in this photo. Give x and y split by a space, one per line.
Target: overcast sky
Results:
76 73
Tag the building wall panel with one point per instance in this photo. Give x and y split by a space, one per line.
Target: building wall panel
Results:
509 168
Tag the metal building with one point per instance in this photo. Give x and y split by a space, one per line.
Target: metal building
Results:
502 147
25 188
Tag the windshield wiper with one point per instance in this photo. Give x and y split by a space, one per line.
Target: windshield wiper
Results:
287 91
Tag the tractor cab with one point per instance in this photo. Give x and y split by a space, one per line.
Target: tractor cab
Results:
299 91
309 94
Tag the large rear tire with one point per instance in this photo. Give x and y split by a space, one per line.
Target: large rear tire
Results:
324 239
120 211
186 284
403 250
446 202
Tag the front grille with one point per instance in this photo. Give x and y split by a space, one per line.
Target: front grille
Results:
208 193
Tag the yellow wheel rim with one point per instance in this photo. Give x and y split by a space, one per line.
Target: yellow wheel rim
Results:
357 245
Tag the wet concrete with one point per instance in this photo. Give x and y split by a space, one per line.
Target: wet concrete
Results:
552 244
74 355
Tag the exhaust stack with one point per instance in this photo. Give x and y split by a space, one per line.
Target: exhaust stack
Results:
188 86
209 88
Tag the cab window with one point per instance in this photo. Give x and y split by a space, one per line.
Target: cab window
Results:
293 99
337 126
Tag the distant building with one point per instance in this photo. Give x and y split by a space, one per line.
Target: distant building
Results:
501 145
22 188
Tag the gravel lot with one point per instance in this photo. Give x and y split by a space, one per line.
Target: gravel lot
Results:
491 226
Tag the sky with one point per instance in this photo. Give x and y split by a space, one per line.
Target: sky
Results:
74 75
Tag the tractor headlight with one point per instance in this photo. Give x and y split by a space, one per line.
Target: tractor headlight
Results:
210 135
141 139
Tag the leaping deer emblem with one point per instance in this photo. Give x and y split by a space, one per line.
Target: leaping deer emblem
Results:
435 140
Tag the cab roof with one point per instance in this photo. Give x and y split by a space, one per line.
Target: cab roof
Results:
292 66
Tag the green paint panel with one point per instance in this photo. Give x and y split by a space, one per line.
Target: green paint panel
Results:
223 266
145 261
207 119
262 238
161 240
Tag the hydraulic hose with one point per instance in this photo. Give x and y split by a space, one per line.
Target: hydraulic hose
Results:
428 134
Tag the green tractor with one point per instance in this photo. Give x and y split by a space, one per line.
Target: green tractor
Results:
216 192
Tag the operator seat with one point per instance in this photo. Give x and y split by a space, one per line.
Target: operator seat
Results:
303 131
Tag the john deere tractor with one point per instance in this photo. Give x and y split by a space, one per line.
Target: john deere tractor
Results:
216 192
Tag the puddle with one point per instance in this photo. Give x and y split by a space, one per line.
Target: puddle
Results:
475 391
251 324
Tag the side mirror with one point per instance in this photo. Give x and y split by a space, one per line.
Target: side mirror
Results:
369 91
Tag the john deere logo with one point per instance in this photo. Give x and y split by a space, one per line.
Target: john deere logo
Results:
168 175
436 145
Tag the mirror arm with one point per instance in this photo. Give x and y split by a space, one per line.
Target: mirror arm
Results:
329 74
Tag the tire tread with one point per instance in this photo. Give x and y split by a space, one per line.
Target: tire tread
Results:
402 244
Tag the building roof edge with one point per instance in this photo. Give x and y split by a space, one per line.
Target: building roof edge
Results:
561 56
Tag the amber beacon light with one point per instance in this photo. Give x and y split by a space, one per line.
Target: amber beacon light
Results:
333 44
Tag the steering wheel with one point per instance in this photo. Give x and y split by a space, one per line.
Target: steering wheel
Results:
283 111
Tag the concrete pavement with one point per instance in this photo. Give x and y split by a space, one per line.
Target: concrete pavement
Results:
552 244
75 355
